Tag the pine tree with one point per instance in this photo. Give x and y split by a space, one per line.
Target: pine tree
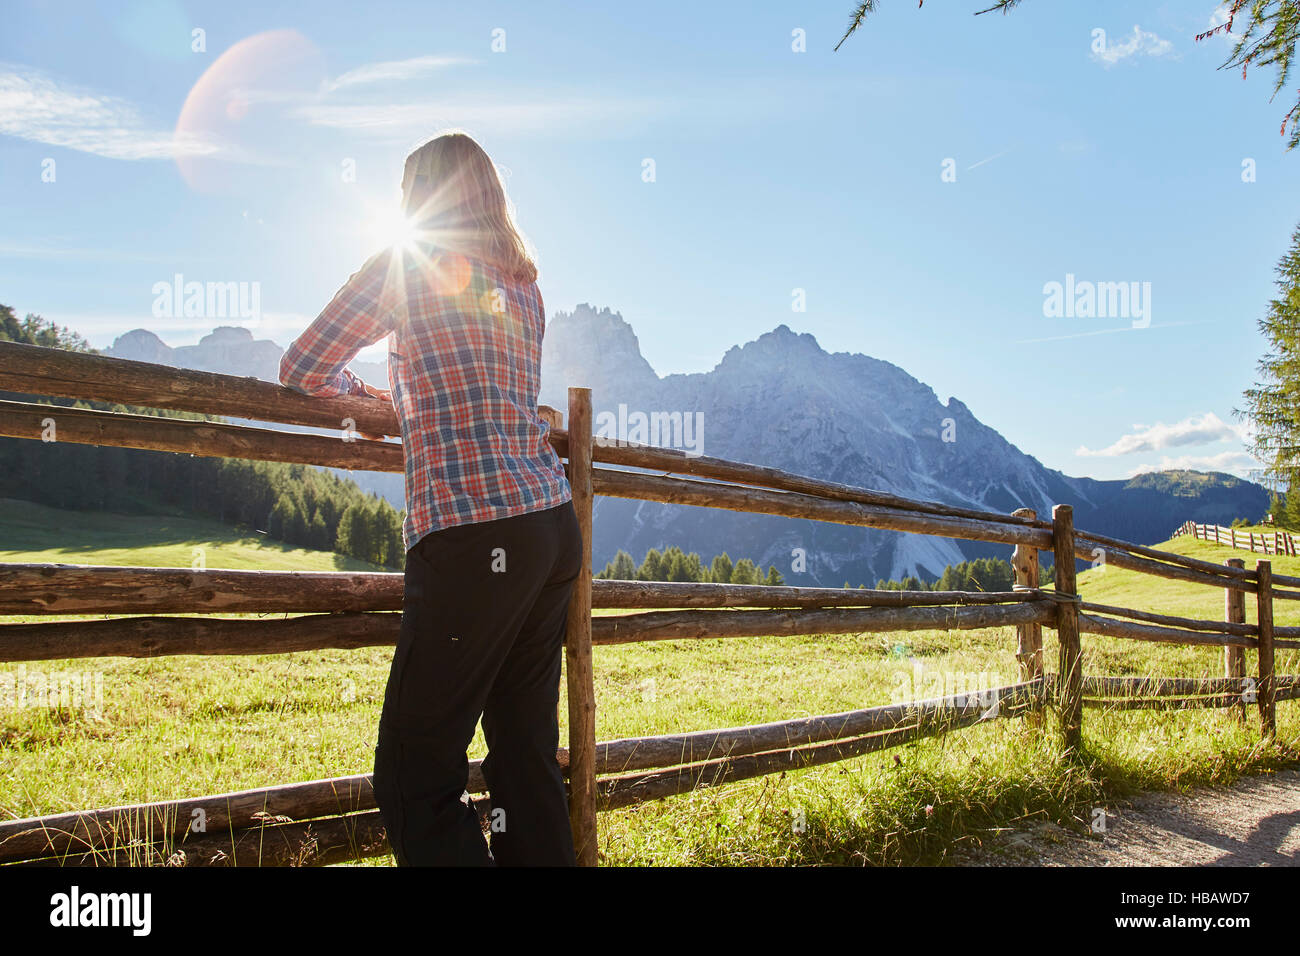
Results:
276 527
622 568
744 572
720 570
350 539
1290 517
652 567
318 535
773 576
1273 405
671 564
295 524
687 567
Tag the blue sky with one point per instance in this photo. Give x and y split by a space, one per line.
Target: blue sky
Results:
270 155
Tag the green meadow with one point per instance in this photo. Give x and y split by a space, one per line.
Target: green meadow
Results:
187 726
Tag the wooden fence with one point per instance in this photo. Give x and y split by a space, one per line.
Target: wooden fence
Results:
1269 542
326 821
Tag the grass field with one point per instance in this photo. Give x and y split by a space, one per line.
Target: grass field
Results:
34 533
186 726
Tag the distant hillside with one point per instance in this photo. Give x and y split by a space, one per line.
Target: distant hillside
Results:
295 504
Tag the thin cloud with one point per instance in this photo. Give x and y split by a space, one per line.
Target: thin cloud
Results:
25 251
368 109
39 109
394 71
1141 43
988 160
405 120
1193 430
1122 328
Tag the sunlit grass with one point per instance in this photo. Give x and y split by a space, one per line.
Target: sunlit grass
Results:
187 726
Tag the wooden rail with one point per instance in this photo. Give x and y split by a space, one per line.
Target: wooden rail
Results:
327 821
1270 542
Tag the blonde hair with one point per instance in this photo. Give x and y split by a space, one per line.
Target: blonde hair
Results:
453 195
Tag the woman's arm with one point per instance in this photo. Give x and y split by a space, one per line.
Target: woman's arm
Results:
358 315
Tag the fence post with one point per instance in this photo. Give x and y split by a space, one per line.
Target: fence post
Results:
1264 692
1234 658
577 643
1029 637
1234 537
1070 668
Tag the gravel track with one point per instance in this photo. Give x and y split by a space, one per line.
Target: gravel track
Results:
1256 822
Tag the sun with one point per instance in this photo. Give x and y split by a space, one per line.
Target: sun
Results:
389 229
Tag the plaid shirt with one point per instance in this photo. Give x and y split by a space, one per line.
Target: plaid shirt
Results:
464 359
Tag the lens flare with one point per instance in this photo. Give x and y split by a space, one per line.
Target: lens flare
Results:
239 106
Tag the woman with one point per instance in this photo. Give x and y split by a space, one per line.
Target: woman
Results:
493 546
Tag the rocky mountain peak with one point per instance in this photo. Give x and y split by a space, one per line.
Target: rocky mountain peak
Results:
141 345
227 335
596 348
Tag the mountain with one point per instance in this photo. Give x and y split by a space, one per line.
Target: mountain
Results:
783 401
228 350
232 350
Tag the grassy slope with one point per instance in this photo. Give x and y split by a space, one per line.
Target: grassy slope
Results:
1106 585
1121 588
34 533
193 725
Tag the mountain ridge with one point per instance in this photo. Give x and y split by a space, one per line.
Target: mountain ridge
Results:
841 416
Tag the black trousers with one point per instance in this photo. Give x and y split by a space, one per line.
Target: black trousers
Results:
483 619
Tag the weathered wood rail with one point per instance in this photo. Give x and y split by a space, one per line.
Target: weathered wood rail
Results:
326 821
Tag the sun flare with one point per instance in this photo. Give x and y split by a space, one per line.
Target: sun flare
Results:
391 230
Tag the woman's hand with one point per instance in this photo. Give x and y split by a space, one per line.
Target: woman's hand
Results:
383 395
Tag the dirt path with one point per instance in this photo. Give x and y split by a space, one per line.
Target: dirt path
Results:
1254 823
